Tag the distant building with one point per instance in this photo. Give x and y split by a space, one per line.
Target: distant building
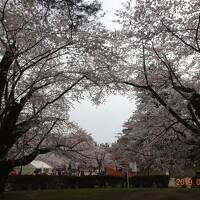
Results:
112 171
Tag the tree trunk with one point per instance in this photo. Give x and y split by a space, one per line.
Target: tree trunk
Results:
4 172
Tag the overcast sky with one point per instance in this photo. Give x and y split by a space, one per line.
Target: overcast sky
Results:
106 120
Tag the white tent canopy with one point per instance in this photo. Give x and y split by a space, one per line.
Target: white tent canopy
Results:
35 165
40 165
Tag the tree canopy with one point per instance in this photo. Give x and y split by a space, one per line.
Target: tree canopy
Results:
160 44
52 52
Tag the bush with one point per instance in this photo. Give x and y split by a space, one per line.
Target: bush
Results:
196 181
149 181
31 182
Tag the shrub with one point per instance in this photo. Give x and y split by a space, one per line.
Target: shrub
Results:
196 181
31 182
149 181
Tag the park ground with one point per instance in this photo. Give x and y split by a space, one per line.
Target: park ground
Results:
105 194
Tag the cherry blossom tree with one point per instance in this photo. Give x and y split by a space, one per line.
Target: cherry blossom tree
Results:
160 44
52 53
159 41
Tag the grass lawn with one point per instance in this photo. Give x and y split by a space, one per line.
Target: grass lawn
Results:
105 194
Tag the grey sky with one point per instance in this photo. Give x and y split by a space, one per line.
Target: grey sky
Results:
106 120
109 7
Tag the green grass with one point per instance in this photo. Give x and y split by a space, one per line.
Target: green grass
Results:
105 194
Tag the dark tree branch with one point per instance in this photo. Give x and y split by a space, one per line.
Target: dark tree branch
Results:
60 95
144 65
164 104
172 112
5 64
135 85
165 130
46 134
194 118
172 75
40 57
197 33
181 39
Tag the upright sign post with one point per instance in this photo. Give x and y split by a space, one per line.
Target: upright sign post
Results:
127 177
